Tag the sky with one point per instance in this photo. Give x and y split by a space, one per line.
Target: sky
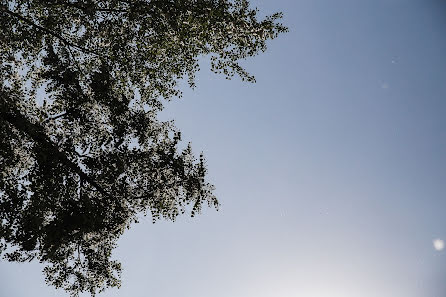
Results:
330 169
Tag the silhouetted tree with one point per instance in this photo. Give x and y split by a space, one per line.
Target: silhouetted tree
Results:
82 153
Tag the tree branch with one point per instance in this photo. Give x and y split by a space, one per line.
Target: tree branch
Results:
36 133
54 117
86 9
48 31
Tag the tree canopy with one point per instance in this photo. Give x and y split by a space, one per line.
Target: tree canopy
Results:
82 153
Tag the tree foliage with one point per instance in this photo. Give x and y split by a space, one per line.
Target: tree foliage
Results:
82 153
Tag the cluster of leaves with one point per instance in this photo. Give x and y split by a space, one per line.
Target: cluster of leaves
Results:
82 153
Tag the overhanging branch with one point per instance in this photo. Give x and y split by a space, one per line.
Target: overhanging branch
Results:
48 31
86 9
36 133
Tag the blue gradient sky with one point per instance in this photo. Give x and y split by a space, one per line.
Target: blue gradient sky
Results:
330 170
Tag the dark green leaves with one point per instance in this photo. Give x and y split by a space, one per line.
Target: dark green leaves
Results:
82 153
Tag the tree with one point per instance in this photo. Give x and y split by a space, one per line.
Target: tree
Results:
82 153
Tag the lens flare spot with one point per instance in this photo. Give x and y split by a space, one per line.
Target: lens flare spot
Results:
438 244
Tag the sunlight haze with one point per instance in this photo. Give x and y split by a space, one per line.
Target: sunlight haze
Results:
330 169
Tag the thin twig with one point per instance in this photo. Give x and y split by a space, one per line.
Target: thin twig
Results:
48 31
75 5
54 118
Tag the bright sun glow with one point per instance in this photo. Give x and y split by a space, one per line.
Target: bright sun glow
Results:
438 244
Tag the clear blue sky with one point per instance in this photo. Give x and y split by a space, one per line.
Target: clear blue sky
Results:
330 170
